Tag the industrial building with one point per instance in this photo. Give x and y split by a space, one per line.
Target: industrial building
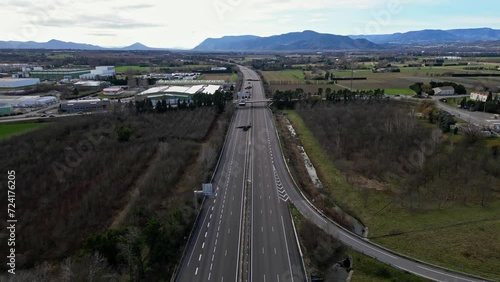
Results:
85 105
482 96
99 72
58 74
28 101
18 82
113 90
444 90
172 94
5 109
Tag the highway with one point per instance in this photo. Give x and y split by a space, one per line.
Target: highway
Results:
244 231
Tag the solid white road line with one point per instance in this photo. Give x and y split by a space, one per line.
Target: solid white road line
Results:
445 274
287 251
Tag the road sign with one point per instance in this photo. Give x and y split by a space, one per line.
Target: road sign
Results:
207 189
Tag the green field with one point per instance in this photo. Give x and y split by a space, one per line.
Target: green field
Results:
468 235
295 76
401 91
8 130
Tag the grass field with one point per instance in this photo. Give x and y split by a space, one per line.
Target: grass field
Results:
365 268
402 91
467 235
285 75
11 129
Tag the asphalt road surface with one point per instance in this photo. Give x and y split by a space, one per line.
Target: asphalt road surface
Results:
218 250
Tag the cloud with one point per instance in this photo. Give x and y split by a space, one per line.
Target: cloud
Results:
109 21
135 6
103 34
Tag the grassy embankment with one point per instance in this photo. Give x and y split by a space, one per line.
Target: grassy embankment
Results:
365 268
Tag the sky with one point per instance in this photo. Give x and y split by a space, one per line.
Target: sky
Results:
186 23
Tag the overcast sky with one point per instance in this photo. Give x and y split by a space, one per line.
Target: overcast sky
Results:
185 23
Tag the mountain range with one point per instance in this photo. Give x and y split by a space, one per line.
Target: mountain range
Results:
62 45
434 36
295 41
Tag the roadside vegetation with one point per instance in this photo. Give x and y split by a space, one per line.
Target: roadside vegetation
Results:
411 184
76 176
324 257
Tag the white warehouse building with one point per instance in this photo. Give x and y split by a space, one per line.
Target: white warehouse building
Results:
28 101
101 71
18 82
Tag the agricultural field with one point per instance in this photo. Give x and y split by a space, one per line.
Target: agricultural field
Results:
393 82
8 130
419 226
292 76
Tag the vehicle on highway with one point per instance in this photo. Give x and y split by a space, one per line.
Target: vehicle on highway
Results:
242 104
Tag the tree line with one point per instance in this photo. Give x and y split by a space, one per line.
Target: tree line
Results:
218 99
289 98
420 87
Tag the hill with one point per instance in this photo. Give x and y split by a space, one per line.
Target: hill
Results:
295 41
63 45
434 36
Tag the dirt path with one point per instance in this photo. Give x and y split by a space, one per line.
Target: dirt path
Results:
133 195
